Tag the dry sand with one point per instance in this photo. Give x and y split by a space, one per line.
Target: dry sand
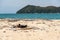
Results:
41 30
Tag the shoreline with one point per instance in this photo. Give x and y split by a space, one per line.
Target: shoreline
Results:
26 19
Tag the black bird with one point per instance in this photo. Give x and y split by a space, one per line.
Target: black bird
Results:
21 26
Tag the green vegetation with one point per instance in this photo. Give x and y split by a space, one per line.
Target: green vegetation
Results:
38 9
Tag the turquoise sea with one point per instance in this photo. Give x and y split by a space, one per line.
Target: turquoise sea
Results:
31 16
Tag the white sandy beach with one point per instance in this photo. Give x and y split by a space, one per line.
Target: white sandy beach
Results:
40 30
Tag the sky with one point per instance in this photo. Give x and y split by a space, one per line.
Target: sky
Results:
12 6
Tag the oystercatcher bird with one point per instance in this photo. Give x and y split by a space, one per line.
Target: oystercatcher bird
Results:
21 26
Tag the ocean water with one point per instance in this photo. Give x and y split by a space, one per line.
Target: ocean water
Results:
32 16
